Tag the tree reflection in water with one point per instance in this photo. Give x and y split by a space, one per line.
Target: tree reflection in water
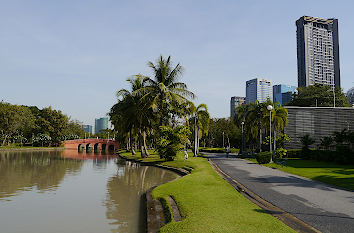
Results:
41 170
125 201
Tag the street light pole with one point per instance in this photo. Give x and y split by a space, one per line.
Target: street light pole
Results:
223 143
270 108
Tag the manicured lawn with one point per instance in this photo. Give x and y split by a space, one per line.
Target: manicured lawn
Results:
209 204
153 157
331 173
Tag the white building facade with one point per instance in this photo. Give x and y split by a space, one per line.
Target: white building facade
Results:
259 89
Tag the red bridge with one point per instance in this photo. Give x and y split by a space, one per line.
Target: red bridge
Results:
92 143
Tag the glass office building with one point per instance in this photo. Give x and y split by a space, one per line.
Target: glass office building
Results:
258 89
101 124
88 128
283 93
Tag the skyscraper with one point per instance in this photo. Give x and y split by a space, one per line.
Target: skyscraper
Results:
258 89
317 51
235 102
283 93
100 124
88 128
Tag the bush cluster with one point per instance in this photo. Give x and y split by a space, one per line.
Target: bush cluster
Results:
342 155
212 150
218 150
263 157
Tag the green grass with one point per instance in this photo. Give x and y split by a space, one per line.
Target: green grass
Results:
209 204
330 173
153 157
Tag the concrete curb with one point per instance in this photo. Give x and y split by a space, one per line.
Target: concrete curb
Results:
155 213
283 216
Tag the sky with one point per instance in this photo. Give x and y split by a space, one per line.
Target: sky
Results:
75 55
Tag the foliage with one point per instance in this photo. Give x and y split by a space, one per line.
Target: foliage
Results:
172 141
294 153
220 128
150 103
256 118
280 153
20 124
263 157
326 142
306 141
318 95
199 124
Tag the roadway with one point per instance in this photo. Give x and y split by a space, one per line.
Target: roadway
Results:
324 207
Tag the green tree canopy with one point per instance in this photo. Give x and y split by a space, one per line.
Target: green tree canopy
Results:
319 95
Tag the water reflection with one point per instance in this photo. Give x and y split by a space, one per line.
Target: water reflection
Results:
67 191
23 171
125 192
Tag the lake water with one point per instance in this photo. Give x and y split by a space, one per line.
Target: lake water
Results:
67 191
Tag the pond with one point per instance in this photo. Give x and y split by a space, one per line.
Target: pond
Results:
68 191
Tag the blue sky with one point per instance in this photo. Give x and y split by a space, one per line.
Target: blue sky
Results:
74 55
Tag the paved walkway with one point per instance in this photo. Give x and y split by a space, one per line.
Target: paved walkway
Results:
322 206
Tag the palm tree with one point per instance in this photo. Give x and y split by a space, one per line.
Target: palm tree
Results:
280 120
132 112
163 91
255 115
200 121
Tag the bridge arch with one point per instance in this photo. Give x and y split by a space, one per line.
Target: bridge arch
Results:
111 147
104 146
80 147
96 147
88 147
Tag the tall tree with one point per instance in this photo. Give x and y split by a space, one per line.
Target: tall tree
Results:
163 90
200 122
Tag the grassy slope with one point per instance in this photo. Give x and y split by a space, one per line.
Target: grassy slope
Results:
331 173
209 204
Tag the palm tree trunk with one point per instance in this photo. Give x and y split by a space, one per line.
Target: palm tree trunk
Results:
195 136
131 143
198 140
144 141
260 140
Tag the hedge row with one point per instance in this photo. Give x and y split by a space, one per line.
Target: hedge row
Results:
217 150
263 157
342 155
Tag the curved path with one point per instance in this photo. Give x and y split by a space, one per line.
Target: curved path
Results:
326 208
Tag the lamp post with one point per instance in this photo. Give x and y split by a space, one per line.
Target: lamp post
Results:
243 138
223 140
270 108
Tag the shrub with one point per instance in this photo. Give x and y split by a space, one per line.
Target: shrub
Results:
306 141
280 153
172 141
294 153
212 150
263 157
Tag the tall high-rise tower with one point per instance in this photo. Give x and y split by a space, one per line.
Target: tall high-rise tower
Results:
317 51
235 102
